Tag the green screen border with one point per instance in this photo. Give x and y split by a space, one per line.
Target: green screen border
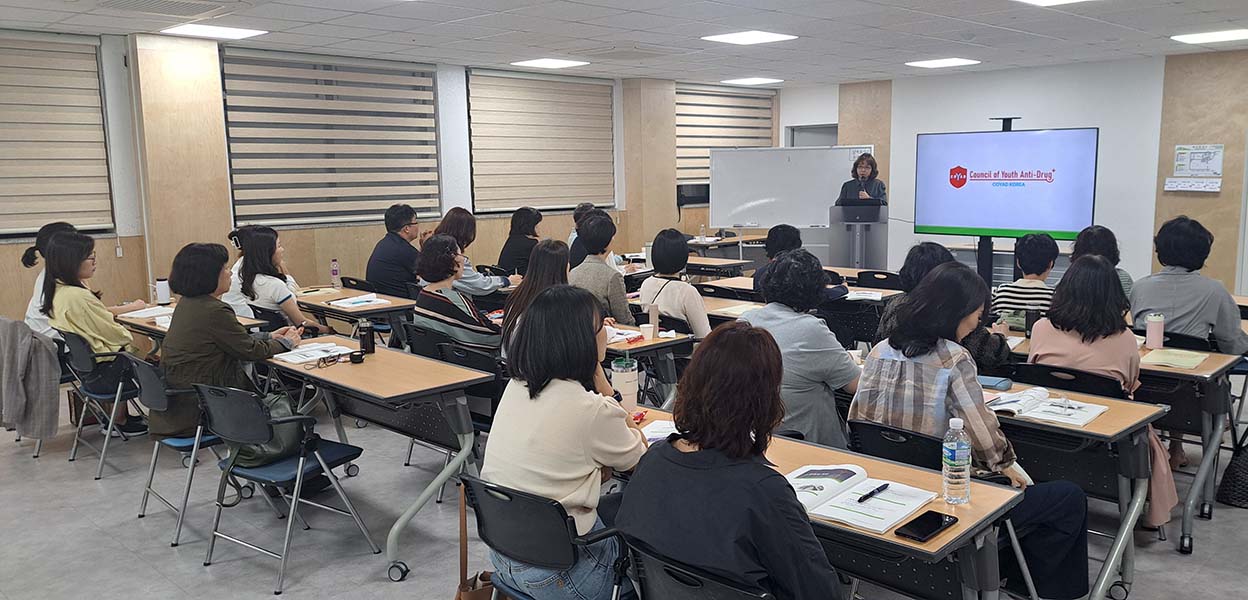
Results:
992 232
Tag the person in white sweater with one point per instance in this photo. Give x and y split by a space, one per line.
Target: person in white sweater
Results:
669 254
558 432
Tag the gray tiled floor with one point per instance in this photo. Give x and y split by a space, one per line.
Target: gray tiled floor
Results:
64 535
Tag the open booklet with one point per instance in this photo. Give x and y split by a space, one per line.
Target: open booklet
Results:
1036 403
362 300
1170 357
149 313
309 352
832 492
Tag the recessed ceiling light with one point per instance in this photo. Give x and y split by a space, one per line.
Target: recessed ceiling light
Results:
1051 2
549 63
746 38
752 81
212 31
1212 37
941 63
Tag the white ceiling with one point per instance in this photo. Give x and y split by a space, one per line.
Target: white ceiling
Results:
840 40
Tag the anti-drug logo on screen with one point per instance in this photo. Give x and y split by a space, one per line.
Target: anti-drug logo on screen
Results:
959 176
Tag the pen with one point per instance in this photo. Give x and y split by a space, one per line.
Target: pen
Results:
873 493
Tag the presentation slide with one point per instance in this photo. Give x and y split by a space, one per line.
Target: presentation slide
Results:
1005 183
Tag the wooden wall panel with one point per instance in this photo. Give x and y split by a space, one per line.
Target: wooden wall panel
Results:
1203 102
649 160
866 111
182 149
120 279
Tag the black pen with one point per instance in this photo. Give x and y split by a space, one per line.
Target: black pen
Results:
871 494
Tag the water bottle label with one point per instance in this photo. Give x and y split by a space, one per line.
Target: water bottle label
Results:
954 454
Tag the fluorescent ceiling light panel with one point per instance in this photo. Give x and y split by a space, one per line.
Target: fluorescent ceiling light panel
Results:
752 81
549 63
1212 37
747 38
1051 2
212 31
941 63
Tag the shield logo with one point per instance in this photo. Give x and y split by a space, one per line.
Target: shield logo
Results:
957 177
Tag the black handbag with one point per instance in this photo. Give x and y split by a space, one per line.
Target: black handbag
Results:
1233 490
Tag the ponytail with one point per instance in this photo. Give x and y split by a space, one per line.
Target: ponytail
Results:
30 257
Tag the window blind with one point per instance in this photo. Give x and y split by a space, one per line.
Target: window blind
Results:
540 142
53 162
718 117
318 139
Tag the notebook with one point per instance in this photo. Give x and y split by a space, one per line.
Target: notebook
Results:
1169 357
364 300
832 492
738 309
148 313
1036 403
310 352
658 431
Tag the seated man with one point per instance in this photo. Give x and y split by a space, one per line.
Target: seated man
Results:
1035 254
393 263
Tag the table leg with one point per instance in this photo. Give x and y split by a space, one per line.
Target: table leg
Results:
1121 552
398 568
332 406
1202 485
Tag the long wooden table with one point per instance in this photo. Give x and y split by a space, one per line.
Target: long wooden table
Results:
317 299
746 284
715 267
153 331
702 246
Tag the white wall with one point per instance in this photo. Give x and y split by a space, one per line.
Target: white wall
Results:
808 106
1122 98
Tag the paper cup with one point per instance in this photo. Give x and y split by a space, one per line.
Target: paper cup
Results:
648 331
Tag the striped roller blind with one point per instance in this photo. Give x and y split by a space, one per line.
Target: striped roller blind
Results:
53 164
718 117
319 139
540 142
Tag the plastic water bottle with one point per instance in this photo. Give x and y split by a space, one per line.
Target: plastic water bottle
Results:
956 463
702 232
335 278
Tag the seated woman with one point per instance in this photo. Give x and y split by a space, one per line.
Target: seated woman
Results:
920 377
260 279
462 225
206 344
727 406
441 308
1101 241
676 299
514 257
605 282
558 432
780 238
815 363
987 346
548 266
1086 329
71 307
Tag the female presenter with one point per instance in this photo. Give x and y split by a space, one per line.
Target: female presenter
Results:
864 188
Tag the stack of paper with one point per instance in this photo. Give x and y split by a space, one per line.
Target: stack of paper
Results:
864 295
310 352
164 322
1169 357
364 300
615 335
658 431
148 313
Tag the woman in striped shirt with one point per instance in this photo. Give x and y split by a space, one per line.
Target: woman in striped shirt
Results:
441 308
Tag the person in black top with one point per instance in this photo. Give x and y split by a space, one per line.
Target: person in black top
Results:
514 257
706 496
393 263
864 189
780 238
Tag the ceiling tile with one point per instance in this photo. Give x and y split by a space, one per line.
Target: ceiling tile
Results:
356 5
703 10
637 20
297 39
368 46
293 12
253 23
490 5
378 22
635 4
337 31
33 15
427 11
568 11
129 24
458 29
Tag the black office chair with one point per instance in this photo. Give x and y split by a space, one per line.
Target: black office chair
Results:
424 342
834 278
241 418
83 362
492 270
273 319
480 361
413 289
882 280
530 529
1182 341
714 291
355 283
661 578
674 324
851 322
1063 378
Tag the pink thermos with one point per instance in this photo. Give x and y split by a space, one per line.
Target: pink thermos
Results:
1155 330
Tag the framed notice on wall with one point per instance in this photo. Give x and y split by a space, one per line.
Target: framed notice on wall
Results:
1198 160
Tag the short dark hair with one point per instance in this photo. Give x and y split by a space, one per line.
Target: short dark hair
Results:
670 252
63 259
933 310
920 260
796 279
596 232
557 339
548 266
1096 240
399 216
437 258
1183 242
782 238
196 269
728 398
1035 253
865 157
459 224
31 256
1089 300
580 211
524 221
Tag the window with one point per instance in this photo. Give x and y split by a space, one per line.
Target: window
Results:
718 117
545 143
318 139
53 161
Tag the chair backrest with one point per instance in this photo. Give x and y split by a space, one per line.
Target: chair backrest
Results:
661 578
81 356
273 319
674 324
1063 378
153 390
1181 341
424 342
480 361
714 291
355 283
236 416
883 441
521 526
492 270
413 289
880 280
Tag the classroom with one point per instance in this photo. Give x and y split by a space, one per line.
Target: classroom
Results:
605 299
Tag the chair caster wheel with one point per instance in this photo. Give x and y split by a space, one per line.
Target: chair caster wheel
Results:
352 470
361 423
247 491
1206 511
186 461
398 571
1185 544
1119 591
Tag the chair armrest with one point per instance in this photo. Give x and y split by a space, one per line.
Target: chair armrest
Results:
594 537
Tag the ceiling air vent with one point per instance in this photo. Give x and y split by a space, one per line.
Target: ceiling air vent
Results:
178 9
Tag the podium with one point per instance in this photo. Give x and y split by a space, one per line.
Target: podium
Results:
866 239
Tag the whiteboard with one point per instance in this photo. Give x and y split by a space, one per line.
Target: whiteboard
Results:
763 187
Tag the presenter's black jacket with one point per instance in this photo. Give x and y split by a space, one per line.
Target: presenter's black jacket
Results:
392 265
850 189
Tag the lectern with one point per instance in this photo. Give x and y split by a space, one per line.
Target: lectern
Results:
866 224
